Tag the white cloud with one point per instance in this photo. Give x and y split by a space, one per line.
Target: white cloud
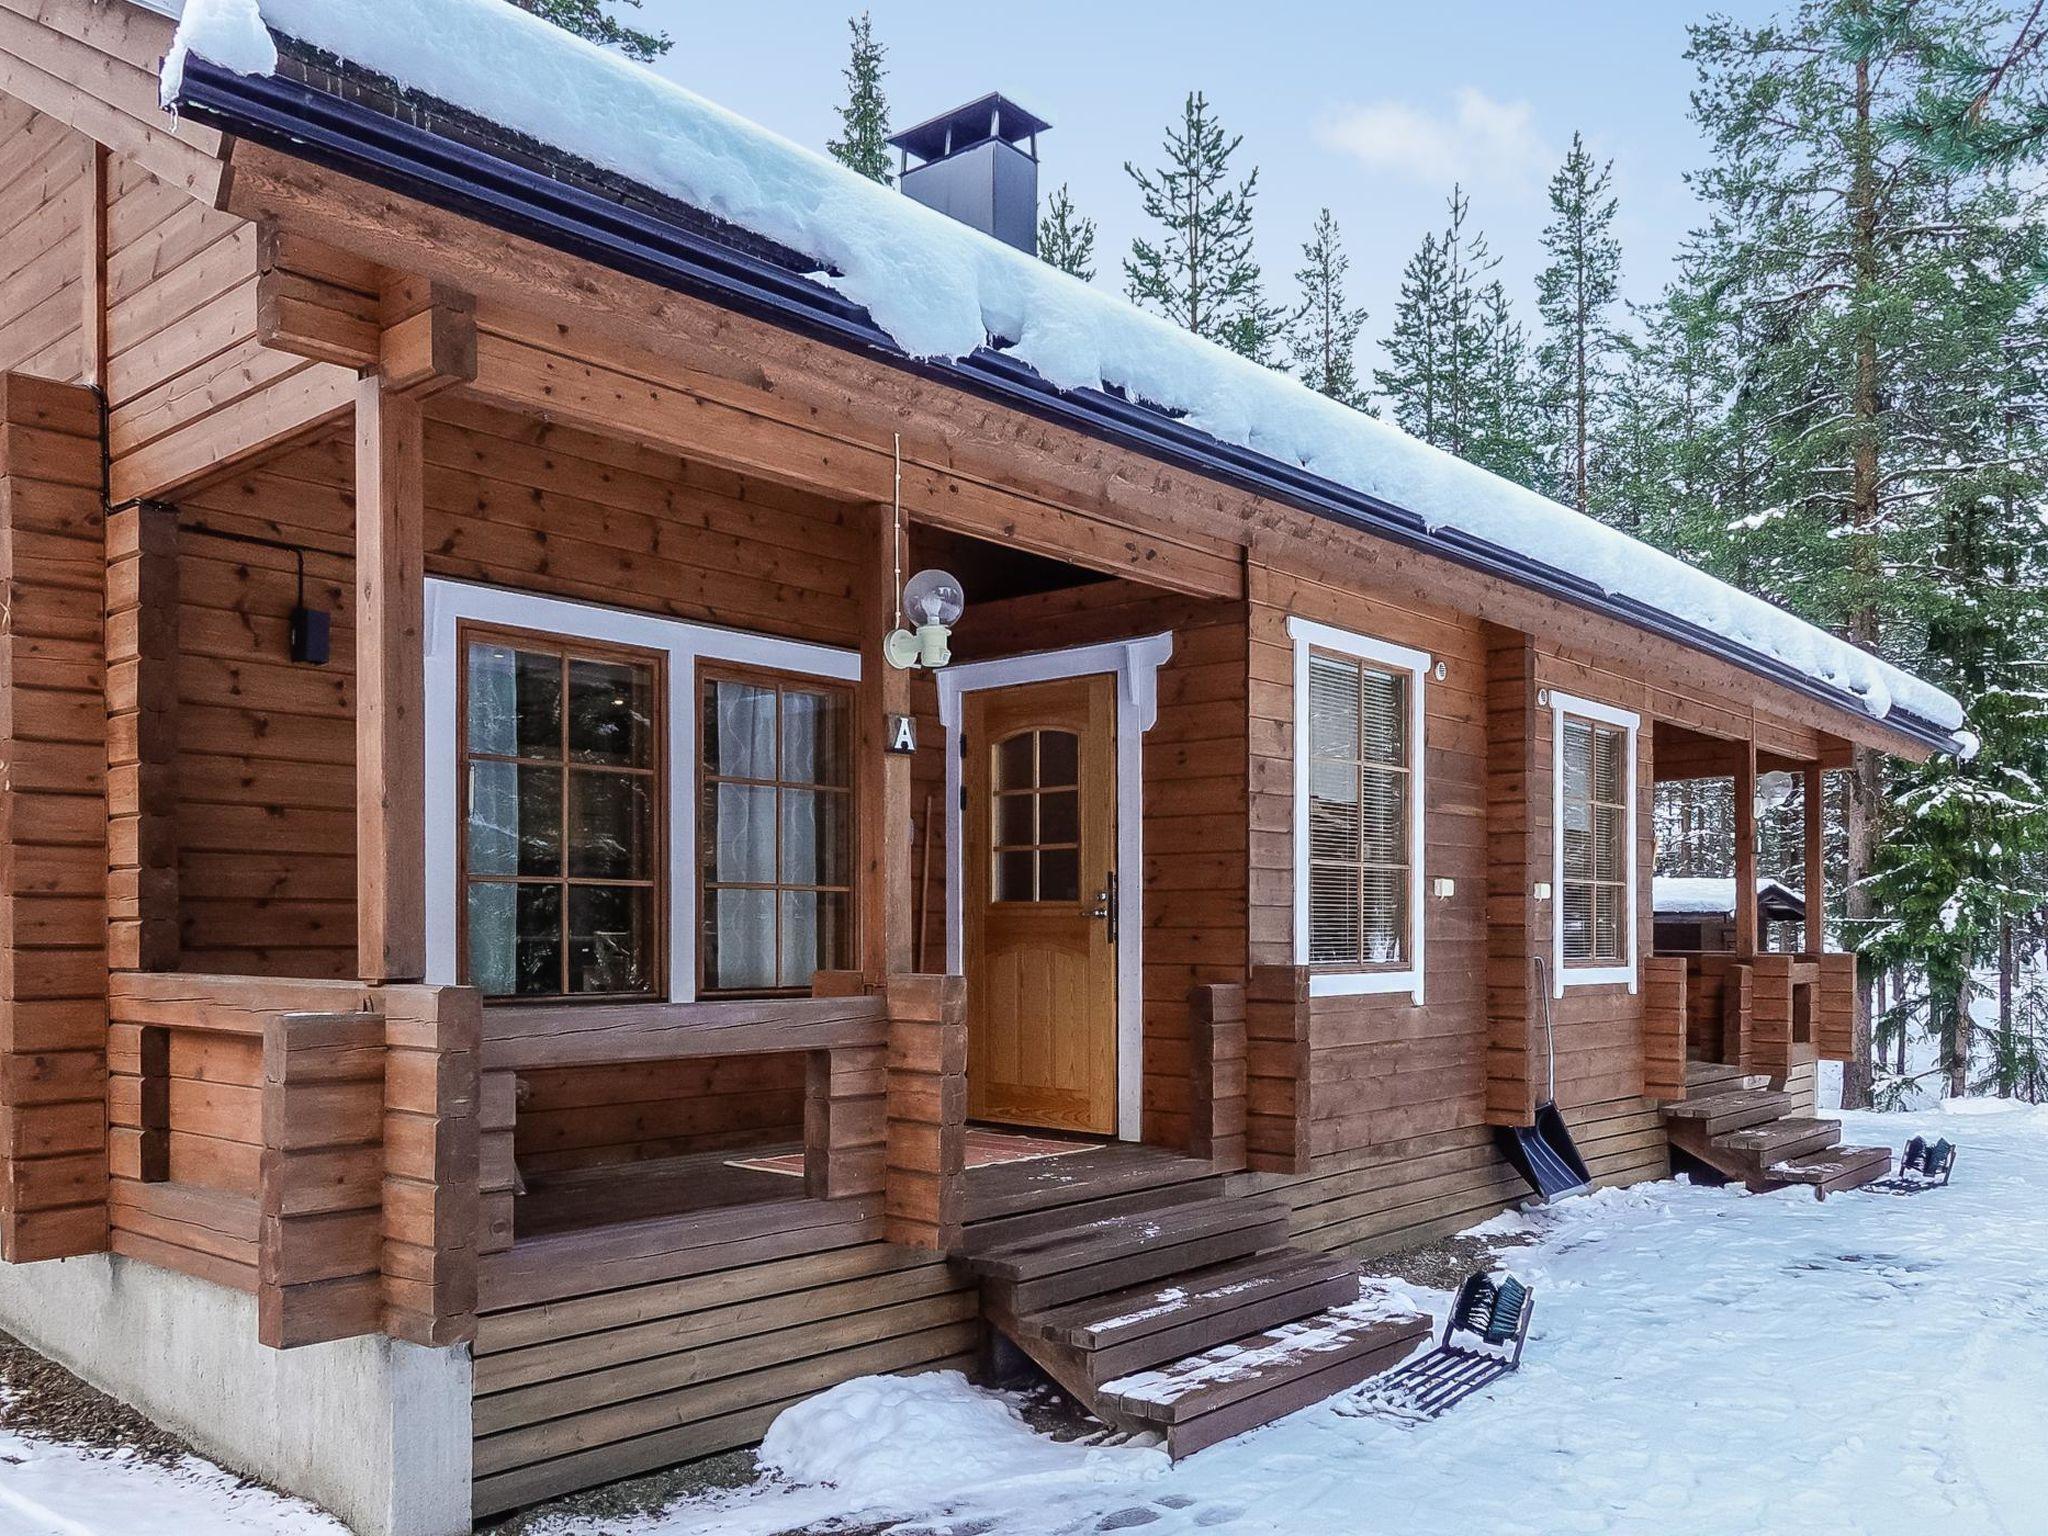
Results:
1479 141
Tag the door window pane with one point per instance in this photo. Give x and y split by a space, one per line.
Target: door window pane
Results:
1036 817
776 836
561 817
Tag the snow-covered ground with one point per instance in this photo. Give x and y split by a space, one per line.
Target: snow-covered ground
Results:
1701 1361
57 1490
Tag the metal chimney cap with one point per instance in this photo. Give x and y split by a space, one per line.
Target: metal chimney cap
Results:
993 116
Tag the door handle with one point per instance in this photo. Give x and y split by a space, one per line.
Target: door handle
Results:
1105 904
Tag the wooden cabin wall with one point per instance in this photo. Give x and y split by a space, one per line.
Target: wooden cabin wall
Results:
1383 1070
265 773
46 192
580 1117
1195 821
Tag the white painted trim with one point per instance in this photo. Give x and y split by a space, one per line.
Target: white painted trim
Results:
1308 635
450 603
1135 664
1562 704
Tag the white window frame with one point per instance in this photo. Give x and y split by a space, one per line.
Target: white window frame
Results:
1310 636
1562 976
450 604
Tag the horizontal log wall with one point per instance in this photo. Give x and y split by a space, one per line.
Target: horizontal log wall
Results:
53 824
46 197
579 1117
1398 1194
697 1350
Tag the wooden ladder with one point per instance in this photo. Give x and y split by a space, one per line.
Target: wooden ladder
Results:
1736 1126
1187 1315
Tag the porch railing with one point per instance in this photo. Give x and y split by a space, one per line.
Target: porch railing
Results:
312 1143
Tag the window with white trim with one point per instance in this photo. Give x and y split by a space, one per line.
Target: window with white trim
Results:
1358 811
1593 785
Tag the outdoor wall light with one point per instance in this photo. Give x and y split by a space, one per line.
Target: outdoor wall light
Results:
932 602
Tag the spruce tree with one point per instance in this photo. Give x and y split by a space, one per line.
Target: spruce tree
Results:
1457 371
1066 237
591 19
1575 293
1198 270
1866 281
863 142
1322 338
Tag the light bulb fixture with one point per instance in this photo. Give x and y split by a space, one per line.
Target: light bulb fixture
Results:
933 601
1774 790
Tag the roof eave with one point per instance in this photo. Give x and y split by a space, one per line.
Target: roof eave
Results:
359 142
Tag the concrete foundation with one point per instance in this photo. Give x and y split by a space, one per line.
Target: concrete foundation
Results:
373 1429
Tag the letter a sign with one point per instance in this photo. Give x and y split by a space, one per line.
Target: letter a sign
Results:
902 733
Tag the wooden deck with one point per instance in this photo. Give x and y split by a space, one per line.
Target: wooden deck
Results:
579 1199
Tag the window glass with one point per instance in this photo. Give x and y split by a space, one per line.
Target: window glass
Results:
1593 823
560 814
1036 818
776 833
1359 780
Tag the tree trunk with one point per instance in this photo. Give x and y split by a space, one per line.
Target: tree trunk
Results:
1866 772
2007 1047
1958 1043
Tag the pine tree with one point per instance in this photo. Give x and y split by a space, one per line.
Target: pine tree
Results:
1066 238
863 144
1860 277
1322 338
1199 271
589 18
1457 371
1574 294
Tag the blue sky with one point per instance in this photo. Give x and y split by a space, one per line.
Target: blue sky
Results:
1371 108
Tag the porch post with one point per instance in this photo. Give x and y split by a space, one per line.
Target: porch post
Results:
1745 849
390 686
1816 870
884 776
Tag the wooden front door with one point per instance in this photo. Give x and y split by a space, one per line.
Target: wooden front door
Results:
1040 777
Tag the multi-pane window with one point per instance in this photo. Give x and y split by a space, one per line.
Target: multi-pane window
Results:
1359 781
561 810
1593 815
775 833
1037 817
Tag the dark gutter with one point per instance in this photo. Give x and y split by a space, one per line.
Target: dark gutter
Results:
357 141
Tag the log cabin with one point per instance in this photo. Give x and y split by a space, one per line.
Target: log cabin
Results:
536 938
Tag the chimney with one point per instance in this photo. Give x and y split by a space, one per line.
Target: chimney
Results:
978 164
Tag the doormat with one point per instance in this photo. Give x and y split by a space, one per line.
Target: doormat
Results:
985 1149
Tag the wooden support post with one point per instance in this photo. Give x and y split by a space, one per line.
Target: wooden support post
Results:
1745 850
926 1107
53 823
390 686
1517 856
884 776
1278 1112
1816 866
433 1042
142 739
1217 1074
319 1255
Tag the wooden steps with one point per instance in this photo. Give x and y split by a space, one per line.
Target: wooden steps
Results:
1746 1134
1189 1317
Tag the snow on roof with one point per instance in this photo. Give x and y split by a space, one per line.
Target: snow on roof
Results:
942 290
1711 896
